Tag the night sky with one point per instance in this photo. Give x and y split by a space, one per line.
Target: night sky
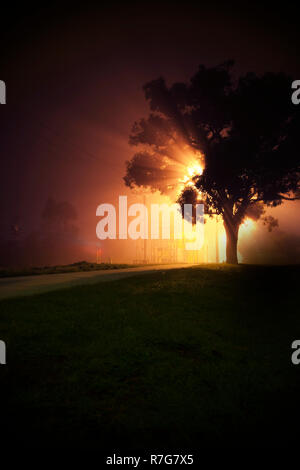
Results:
74 78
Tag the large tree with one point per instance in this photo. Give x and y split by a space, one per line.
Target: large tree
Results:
246 130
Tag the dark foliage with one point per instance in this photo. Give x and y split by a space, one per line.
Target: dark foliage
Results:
247 131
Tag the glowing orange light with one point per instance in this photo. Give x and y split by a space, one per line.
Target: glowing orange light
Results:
247 226
194 169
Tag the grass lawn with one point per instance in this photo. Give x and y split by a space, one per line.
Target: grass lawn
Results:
190 358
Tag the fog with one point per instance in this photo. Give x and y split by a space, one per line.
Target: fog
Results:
74 90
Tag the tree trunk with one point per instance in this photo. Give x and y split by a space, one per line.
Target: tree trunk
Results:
232 231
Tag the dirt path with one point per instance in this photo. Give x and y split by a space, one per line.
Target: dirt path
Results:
29 285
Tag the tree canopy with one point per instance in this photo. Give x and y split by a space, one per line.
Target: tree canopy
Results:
246 131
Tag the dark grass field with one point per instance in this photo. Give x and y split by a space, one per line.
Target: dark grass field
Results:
187 359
